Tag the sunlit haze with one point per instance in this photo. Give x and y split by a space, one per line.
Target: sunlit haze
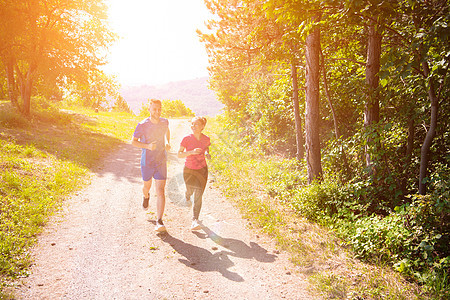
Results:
158 42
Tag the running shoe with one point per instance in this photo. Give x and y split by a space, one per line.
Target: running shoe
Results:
195 225
145 202
187 202
159 227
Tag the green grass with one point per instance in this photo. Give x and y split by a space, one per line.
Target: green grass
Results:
42 161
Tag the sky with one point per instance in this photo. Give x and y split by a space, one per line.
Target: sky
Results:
158 43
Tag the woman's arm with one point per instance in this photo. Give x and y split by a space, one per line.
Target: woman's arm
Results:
183 154
207 154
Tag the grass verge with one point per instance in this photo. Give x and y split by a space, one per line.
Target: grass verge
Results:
42 161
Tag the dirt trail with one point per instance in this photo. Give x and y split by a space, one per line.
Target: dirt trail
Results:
102 245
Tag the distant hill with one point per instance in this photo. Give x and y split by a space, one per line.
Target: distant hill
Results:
194 93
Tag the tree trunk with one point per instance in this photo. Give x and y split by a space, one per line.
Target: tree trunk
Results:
25 89
298 120
372 107
26 94
312 118
425 150
12 87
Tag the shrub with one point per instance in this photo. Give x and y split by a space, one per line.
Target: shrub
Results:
11 118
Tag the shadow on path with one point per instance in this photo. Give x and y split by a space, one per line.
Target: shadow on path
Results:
238 248
201 259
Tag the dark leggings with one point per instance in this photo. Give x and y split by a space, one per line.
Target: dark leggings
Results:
195 181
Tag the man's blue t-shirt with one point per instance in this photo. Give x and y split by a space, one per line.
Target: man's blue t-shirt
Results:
148 132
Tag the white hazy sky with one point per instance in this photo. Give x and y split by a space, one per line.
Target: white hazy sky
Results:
158 41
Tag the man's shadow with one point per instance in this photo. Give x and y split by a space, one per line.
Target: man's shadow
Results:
201 259
205 261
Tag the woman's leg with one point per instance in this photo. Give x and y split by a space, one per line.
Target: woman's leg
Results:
201 179
188 177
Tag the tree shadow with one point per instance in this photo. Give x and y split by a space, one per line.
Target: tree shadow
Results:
201 259
72 141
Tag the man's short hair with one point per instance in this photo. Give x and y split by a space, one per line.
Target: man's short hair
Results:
155 101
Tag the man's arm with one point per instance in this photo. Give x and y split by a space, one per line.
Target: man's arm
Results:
138 144
168 139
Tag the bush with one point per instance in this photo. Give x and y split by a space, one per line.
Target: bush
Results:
47 112
414 237
11 118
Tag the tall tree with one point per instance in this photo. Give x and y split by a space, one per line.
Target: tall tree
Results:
62 39
304 17
312 115
432 39
372 105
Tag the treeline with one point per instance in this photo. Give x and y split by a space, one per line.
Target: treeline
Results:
357 92
169 109
54 49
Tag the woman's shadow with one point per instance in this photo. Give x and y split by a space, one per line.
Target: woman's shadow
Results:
237 248
201 259
205 261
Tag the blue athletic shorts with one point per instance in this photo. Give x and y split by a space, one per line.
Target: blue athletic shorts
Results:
154 170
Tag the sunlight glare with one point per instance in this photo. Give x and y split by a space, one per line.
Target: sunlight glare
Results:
158 41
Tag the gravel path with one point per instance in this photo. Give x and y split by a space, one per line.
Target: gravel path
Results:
102 244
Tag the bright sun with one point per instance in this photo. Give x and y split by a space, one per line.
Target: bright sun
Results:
158 41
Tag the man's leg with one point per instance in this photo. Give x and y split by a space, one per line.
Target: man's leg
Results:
160 186
146 192
146 188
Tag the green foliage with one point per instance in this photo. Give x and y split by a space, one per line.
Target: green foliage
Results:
428 219
48 112
175 109
72 46
413 236
249 178
10 118
270 112
121 105
378 238
381 186
97 91
169 109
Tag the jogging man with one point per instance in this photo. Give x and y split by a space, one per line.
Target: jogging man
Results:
151 135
